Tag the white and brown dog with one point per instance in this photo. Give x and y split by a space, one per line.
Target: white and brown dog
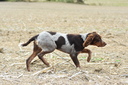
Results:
73 44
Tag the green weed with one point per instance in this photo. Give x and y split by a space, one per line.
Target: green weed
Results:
97 59
117 60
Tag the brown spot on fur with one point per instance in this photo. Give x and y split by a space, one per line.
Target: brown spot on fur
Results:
60 42
76 40
52 33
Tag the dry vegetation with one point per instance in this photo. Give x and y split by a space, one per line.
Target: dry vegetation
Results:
20 21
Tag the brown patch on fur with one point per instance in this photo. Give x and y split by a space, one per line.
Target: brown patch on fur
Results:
76 40
60 42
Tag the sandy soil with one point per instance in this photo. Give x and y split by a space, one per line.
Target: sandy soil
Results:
20 21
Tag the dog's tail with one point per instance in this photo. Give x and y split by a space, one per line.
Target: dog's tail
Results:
30 40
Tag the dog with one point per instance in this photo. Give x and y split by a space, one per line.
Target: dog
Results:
73 44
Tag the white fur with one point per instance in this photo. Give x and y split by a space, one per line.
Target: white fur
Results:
84 36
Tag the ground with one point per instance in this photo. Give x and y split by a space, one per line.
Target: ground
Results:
20 20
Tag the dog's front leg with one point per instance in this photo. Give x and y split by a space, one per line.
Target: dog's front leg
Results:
75 59
89 53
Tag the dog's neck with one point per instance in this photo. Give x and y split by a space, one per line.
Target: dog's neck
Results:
84 36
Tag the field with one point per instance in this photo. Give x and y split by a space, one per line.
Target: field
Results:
20 21
107 2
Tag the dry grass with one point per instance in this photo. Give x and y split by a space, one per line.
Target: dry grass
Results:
20 21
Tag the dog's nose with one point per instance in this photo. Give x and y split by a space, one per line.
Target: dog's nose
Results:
104 43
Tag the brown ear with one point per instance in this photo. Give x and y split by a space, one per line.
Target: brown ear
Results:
89 39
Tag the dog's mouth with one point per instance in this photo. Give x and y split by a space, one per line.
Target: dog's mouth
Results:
102 44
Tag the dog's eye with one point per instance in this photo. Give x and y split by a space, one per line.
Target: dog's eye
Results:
97 40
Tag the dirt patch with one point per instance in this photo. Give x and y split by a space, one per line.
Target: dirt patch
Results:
20 21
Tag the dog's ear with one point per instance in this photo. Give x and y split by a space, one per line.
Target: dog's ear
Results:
89 39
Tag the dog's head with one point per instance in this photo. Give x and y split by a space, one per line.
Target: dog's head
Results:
94 39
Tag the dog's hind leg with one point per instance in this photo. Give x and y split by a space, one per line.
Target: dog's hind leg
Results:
40 56
36 50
